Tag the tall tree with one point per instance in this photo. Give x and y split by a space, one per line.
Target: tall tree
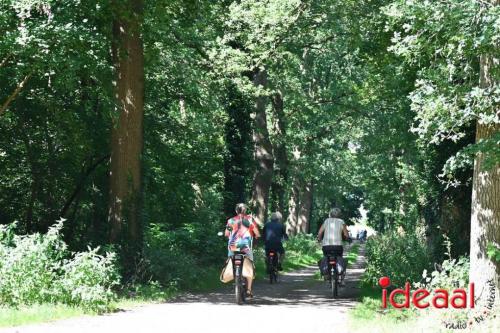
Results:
293 209
280 178
306 201
263 151
485 220
127 132
238 143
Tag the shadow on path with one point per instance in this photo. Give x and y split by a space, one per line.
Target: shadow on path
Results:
295 289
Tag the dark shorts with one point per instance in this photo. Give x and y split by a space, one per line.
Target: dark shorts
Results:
278 247
334 250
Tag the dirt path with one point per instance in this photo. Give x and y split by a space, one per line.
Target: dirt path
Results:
297 304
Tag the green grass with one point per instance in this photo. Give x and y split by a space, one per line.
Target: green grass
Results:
352 255
369 316
36 314
370 308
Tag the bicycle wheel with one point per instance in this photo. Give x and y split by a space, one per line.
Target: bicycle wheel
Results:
238 291
335 284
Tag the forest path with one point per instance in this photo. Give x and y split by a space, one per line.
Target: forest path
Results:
299 303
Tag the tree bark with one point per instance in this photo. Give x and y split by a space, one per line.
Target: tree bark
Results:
13 96
293 208
304 218
238 144
485 219
281 158
263 152
127 133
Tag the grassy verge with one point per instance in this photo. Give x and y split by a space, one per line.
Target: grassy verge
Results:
370 308
36 314
140 295
368 316
352 255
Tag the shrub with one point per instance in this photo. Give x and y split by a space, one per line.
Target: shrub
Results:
38 268
180 257
29 266
304 244
452 274
87 280
400 257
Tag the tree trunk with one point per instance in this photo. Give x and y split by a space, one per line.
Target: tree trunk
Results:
293 208
263 153
127 132
281 158
304 218
238 144
485 220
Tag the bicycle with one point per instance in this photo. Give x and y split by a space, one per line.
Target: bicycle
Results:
240 284
333 275
272 260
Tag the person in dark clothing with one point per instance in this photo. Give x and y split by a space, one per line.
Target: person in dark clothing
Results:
274 233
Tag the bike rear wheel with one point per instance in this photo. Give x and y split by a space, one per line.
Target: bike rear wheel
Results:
237 293
334 283
272 264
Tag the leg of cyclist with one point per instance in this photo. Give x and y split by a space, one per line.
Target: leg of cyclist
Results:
249 286
250 278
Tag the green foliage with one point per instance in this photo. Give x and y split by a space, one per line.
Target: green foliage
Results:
368 87
493 252
400 257
179 258
87 280
304 244
453 274
38 268
444 40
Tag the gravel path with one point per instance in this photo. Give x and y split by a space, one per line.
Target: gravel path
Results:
297 304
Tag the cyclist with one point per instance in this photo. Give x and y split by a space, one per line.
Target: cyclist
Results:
331 232
240 231
274 233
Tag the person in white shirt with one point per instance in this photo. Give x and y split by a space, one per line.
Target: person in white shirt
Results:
331 234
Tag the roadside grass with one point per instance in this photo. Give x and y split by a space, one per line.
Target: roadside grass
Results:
368 316
370 308
352 255
37 313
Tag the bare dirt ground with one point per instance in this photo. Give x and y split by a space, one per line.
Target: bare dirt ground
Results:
298 303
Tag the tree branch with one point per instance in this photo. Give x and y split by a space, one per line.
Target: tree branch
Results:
14 94
80 184
4 61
